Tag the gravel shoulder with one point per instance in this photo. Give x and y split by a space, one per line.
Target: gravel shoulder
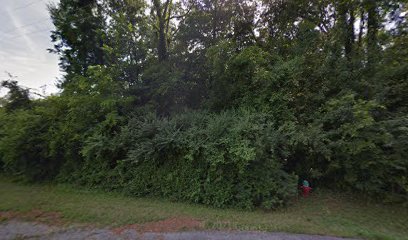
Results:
16 229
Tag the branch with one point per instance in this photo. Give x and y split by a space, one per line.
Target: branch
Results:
156 4
166 6
181 16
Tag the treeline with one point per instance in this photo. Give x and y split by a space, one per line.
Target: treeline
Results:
220 102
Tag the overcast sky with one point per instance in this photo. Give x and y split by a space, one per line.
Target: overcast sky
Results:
23 49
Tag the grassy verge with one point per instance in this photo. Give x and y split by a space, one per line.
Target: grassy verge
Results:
323 213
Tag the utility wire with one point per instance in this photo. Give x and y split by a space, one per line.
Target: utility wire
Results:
25 26
36 22
25 34
44 30
27 5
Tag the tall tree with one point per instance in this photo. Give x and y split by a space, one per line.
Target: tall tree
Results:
346 21
126 42
372 30
78 38
162 13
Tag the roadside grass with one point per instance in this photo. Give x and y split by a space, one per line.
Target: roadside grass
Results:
324 213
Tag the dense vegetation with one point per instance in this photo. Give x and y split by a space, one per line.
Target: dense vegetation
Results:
221 102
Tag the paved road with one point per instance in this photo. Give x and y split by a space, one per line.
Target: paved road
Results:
14 229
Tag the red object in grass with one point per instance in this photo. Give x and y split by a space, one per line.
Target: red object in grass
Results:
305 191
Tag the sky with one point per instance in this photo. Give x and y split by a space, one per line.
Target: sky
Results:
25 28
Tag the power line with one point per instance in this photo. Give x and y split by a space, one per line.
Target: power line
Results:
44 30
27 5
38 31
25 26
36 22
25 34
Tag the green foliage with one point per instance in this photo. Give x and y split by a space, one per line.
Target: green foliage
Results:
220 160
24 148
151 104
17 97
347 148
364 148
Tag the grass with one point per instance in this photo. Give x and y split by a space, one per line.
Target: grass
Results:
323 213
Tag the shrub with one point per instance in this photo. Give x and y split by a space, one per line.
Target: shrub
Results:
24 146
216 159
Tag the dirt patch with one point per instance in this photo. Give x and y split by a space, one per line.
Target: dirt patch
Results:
53 218
176 224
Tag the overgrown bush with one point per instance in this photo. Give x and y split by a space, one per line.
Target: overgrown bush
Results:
347 148
216 159
26 142
153 109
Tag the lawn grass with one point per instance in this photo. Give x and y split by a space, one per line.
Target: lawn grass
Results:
323 213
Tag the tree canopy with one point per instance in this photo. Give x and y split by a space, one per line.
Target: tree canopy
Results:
220 102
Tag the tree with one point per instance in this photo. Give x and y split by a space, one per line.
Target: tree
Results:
163 13
126 43
221 102
17 96
79 36
372 31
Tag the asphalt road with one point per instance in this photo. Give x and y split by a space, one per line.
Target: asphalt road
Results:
14 229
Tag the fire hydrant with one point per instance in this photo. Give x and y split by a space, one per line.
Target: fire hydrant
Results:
306 189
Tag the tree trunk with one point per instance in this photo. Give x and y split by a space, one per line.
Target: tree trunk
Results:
163 21
346 21
350 33
215 21
162 45
362 23
372 26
